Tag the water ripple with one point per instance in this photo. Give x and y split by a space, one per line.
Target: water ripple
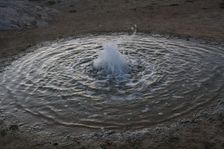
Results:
169 78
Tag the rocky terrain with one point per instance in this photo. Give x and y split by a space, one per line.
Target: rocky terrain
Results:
16 14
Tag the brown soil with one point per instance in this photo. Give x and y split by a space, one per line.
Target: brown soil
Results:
188 18
202 19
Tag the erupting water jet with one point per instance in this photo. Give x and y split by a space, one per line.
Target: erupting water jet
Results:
111 61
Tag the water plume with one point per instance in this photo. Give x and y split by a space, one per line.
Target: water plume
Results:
111 61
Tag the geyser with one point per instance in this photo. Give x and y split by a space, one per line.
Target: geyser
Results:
110 61
56 85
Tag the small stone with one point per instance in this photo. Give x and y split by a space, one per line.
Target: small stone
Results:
51 2
135 9
110 132
14 127
190 1
3 132
204 8
209 145
174 4
103 146
160 113
145 110
173 139
222 5
73 11
41 24
55 144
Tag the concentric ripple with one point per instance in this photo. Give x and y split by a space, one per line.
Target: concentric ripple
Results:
169 78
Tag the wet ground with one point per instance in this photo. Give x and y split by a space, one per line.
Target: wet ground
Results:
187 19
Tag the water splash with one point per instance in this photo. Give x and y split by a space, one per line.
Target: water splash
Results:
111 61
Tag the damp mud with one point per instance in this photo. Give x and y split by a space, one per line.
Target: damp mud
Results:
170 94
